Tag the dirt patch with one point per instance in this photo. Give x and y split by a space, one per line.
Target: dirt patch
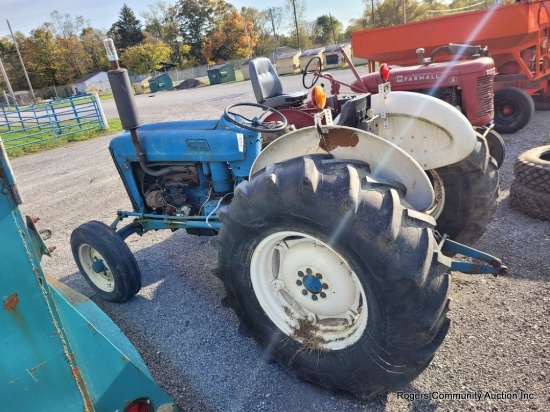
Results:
189 84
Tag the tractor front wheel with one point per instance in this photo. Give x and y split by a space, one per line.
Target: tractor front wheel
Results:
514 108
105 261
333 275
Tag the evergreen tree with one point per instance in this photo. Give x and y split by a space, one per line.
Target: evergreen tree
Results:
127 30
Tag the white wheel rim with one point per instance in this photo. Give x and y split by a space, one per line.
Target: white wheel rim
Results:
96 268
308 291
439 191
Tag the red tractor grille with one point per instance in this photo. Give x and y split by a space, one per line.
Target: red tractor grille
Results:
485 105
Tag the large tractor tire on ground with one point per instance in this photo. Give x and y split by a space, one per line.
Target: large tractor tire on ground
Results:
514 108
530 202
105 261
532 169
466 195
338 281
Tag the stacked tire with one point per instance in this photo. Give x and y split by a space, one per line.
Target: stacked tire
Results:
530 191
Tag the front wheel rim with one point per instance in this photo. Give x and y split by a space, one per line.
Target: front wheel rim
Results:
97 270
309 291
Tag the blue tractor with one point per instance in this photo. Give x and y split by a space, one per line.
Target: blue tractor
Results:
325 238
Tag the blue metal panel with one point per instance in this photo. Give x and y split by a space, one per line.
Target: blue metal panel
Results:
172 146
53 356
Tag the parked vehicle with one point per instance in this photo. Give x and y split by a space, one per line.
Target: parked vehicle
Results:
325 249
516 34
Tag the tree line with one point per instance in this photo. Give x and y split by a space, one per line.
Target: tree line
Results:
187 33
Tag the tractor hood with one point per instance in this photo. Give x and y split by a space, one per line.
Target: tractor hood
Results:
445 74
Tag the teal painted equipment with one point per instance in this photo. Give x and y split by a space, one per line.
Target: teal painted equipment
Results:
60 352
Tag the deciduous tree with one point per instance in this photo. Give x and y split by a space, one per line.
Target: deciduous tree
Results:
162 22
200 18
92 42
145 58
328 30
230 40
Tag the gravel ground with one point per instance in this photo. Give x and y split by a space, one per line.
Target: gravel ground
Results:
498 346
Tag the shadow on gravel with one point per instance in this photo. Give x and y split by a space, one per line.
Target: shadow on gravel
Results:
191 343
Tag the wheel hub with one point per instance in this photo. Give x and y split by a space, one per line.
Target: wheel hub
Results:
507 111
312 283
98 266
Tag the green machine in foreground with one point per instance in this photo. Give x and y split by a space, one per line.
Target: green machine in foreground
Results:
60 352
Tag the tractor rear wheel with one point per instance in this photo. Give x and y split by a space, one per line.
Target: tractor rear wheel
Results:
495 143
338 281
466 194
514 108
105 261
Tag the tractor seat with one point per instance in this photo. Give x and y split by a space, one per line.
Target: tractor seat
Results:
268 88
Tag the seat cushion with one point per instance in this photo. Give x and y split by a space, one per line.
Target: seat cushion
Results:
294 99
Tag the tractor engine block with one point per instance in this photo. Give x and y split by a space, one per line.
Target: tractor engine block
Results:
171 191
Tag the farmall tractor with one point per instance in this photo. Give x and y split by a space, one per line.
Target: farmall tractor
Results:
325 238
466 83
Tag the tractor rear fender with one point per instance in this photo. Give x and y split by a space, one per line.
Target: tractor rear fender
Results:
386 160
430 130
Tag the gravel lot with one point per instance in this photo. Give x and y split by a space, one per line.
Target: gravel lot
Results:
498 345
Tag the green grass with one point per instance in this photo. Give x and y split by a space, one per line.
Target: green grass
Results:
114 126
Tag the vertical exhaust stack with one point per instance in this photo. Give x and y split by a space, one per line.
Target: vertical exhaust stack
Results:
124 98
122 89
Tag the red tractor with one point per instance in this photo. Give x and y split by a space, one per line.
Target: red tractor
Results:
466 84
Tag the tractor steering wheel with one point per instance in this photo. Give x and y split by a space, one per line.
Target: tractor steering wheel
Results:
255 123
315 70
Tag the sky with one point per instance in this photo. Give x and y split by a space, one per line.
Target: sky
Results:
26 15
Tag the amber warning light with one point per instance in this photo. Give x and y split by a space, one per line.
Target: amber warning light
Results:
318 97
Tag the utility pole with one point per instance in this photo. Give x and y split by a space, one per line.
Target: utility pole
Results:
22 63
404 11
8 85
296 23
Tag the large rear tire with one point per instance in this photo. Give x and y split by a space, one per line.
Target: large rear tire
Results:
514 108
337 280
532 169
530 202
105 261
466 195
